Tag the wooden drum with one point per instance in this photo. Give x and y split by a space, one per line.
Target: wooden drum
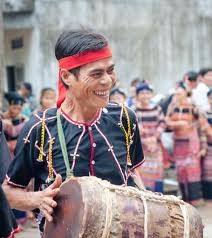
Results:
89 207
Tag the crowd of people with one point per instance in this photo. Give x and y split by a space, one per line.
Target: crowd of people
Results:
184 116
20 106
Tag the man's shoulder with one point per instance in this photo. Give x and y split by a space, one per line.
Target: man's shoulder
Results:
47 114
36 119
201 88
115 109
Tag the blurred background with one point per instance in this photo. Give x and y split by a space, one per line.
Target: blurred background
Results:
156 39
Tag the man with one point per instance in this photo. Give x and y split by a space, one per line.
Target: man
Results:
85 136
8 224
191 80
199 96
30 101
117 95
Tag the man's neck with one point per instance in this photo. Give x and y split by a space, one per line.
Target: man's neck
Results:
78 112
143 105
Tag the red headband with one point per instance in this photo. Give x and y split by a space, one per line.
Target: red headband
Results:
77 60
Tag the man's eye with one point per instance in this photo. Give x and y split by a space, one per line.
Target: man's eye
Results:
96 75
110 71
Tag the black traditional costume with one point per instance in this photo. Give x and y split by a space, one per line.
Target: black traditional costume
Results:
109 148
8 224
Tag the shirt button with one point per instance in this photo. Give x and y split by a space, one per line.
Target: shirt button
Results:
94 144
93 162
89 128
105 110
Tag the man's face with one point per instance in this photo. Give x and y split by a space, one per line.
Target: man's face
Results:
92 87
179 95
24 92
144 97
207 79
15 110
192 84
118 98
48 100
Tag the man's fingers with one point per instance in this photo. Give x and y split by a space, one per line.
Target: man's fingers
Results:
47 208
50 202
47 215
51 192
57 182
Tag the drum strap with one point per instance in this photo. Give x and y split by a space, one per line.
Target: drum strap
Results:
145 216
186 221
69 172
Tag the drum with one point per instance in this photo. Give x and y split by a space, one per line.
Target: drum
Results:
89 207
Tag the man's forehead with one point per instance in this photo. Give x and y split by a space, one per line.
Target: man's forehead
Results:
103 63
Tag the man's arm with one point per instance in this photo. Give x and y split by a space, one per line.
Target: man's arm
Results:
21 199
137 177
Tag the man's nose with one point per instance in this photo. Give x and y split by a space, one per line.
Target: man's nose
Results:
106 79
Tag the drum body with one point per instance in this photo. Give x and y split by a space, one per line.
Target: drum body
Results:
89 207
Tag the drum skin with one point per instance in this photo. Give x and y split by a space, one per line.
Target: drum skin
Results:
89 207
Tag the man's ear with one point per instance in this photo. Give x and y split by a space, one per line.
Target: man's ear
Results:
66 76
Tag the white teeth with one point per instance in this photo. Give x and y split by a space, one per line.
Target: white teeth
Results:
103 93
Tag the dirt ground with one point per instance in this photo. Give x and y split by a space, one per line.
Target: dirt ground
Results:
205 211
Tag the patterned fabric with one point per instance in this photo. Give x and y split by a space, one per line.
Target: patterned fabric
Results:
207 166
101 144
11 133
152 124
188 167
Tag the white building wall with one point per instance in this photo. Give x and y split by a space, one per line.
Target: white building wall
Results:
156 39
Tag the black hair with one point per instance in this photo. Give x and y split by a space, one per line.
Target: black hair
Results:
14 98
204 71
209 92
117 90
78 41
181 84
192 76
28 87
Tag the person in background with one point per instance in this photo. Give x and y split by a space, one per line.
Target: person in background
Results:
8 225
13 122
183 118
207 160
12 119
47 99
151 123
30 101
191 80
117 95
131 99
199 95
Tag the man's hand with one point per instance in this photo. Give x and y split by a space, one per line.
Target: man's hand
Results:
45 198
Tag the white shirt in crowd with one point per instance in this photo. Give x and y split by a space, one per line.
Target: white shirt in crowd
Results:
199 97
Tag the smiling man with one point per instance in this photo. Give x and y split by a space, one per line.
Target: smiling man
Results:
83 136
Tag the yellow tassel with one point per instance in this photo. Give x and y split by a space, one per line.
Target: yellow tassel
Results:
40 157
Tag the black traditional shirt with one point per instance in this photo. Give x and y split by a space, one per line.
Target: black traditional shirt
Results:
4 155
7 220
97 149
